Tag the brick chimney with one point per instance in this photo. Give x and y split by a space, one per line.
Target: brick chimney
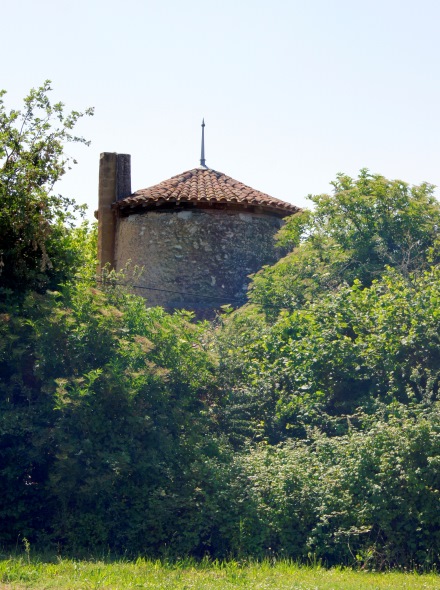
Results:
114 184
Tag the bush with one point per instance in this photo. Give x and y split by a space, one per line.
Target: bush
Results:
369 497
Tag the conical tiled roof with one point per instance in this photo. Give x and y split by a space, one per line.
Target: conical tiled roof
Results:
203 186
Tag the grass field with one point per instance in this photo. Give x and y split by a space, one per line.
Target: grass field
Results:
66 574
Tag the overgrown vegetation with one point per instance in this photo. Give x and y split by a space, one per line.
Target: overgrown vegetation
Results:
304 425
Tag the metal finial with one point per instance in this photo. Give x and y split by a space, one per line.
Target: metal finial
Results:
202 158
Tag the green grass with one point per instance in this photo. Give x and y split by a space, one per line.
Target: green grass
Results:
68 574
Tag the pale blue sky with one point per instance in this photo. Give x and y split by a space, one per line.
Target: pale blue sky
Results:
292 91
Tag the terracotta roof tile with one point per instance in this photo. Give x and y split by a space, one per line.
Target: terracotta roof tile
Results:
203 185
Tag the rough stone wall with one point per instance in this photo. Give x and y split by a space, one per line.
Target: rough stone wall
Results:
205 254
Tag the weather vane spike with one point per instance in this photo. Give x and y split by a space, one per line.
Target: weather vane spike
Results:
202 158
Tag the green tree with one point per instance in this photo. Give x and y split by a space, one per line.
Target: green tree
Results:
367 224
35 252
347 318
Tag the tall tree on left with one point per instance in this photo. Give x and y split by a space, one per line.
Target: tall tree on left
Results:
34 220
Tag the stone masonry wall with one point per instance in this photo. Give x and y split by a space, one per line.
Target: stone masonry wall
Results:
205 254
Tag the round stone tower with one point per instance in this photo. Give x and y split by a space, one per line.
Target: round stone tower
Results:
197 236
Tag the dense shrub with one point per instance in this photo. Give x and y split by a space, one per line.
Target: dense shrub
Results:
368 497
104 409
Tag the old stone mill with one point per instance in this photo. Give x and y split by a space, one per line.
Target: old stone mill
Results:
197 236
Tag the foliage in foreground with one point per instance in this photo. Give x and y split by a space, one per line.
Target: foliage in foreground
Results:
369 497
98 432
113 439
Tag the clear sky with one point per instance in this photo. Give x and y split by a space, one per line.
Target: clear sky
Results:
292 91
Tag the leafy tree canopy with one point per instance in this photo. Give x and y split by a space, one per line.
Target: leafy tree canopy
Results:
367 224
34 242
